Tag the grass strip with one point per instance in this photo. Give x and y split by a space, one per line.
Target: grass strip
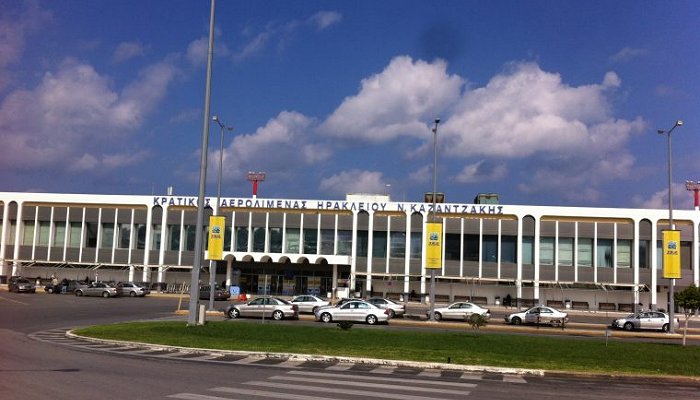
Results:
467 347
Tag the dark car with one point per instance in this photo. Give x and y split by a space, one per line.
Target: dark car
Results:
19 284
219 293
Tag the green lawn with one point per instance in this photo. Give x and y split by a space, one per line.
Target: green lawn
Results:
467 347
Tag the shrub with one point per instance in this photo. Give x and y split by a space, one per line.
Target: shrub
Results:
345 325
476 321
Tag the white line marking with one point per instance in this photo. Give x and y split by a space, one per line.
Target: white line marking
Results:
383 370
514 379
364 384
340 367
385 379
192 396
277 395
367 393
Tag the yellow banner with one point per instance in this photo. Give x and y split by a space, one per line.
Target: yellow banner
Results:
433 239
216 237
672 254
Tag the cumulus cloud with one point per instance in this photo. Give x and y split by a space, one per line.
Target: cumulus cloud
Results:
197 50
128 50
282 146
481 172
682 199
395 102
353 181
73 113
628 53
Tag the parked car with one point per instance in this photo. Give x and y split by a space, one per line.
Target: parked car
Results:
65 286
18 284
353 310
264 307
540 315
395 309
655 320
308 303
97 289
460 310
219 293
131 289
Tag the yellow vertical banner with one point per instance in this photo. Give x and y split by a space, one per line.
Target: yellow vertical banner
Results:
216 237
672 254
433 239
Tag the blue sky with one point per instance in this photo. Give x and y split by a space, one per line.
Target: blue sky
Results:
543 102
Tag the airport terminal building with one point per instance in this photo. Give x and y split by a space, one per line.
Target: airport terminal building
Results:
588 258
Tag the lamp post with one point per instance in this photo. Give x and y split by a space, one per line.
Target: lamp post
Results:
212 263
694 187
671 225
192 318
433 218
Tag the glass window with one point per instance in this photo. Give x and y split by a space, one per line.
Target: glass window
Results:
490 248
566 251
140 236
344 243
416 245
585 252
604 252
90 235
107 236
28 238
528 250
398 244
124 240
310 241
59 236
643 254
173 237
509 249
452 246
362 242
275 240
259 239
327 241
546 251
379 244
471 247
624 253
43 239
190 236
241 239
75 230
155 242
293 240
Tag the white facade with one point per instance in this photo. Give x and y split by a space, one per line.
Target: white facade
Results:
597 256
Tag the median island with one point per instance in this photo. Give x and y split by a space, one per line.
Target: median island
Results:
468 347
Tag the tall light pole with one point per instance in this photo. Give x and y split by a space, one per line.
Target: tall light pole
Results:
671 225
198 254
433 218
212 263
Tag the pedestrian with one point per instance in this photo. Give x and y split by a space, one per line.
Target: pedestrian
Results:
507 300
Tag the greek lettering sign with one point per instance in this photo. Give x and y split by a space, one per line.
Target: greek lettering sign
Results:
672 254
216 237
433 239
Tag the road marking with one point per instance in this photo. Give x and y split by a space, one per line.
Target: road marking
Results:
340 367
289 364
248 360
364 384
471 376
431 373
13 300
385 379
335 390
383 370
192 396
277 395
514 379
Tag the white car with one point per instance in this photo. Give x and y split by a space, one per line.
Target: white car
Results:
540 315
264 307
461 310
308 303
645 320
395 309
353 310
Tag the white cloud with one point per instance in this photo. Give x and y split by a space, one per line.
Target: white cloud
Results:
197 50
128 50
682 198
72 114
354 181
422 175
481 172
323 19
628 53
396 102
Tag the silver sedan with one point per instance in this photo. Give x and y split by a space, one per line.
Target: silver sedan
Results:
645 320
264 307
461 310
355 311
395 309
540 315
97 289
309 303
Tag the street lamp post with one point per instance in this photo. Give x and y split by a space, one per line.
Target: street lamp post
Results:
212 263
433 218
671 225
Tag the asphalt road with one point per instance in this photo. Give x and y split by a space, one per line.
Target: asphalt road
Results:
40 369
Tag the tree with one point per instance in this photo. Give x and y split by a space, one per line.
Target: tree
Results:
689 300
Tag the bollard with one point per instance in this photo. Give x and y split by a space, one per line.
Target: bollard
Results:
202 317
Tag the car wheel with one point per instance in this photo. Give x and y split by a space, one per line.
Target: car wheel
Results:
326 317
132 294
78 293
437 316
233 313
314 309
516 321
392 314
49 290
277 315
105 294
628 326
371 319
665 328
